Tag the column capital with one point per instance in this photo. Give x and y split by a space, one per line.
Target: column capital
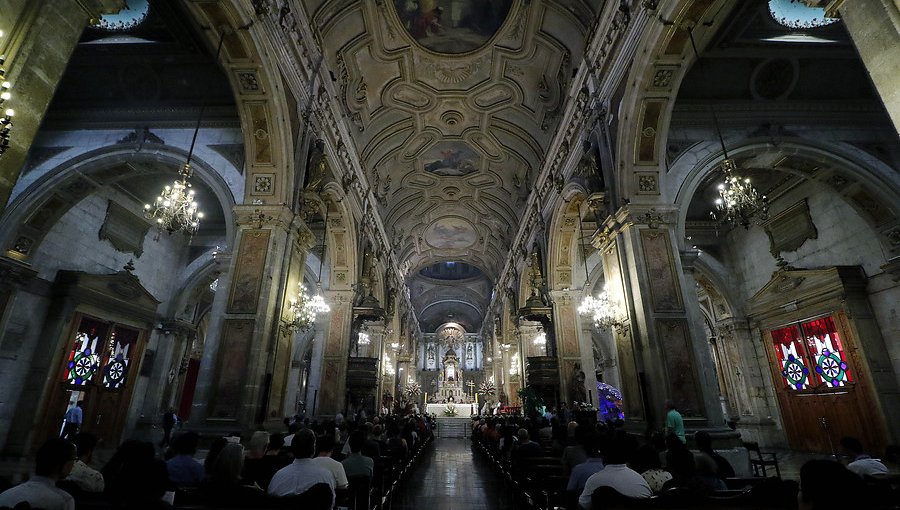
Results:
263 216
650 216
689 259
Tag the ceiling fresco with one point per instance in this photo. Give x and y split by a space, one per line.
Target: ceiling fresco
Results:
454 103
452 26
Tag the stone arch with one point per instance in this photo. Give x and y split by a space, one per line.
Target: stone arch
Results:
43 203
662 60
566 240
836 169
263 103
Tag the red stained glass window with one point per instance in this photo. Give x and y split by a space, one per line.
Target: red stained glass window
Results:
811 354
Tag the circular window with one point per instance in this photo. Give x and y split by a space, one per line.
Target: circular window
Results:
127 18
795 14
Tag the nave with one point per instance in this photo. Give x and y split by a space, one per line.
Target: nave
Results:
450 476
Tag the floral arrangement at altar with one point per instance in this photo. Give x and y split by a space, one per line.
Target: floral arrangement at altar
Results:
487 388
412 390
450 410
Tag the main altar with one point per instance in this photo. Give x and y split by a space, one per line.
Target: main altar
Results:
450 382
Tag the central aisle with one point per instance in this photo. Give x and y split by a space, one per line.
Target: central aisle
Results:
451 477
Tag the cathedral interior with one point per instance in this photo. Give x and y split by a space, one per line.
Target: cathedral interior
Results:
694 201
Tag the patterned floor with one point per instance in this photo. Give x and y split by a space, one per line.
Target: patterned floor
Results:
451 477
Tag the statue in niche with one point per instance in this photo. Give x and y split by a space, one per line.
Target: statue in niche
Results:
318 166
578 392
589 168
536 281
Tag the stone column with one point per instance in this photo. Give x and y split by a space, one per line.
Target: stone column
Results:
333 381
39 39
206 373
253 357
662 349
874 26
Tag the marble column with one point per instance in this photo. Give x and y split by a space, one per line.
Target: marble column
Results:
207 370
661 346
39 39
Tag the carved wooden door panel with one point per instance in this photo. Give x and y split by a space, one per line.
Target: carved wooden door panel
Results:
821 392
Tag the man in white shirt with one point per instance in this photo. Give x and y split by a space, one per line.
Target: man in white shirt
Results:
74 417
53 462
616 475
299 476
324 446
862 464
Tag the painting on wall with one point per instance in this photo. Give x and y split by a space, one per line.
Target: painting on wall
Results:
452 26
451 233
451 159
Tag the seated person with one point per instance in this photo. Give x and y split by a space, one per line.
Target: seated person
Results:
184 470
357 464
262 460
526 447
592 464
324 446
225 485
862 464
616 475
826 484
645 461
85 477
722 468
52 463
297 477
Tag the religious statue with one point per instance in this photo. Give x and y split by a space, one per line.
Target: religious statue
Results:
317 166
578 391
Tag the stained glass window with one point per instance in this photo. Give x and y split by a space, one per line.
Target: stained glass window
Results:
83 360
117 358
826 352
811 354
789 350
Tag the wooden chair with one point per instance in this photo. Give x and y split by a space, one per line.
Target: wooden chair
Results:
761 460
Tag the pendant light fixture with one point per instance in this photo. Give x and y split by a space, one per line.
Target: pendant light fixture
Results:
739 202
176 208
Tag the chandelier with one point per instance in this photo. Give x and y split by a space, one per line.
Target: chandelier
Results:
304 309
739 201
6 120
601 310
363 338
175 208
540 340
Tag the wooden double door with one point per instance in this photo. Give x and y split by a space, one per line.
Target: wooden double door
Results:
822 387
100 364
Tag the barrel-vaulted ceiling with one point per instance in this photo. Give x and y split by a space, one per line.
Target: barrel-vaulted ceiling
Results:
452 105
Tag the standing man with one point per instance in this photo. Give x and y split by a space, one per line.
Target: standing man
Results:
74 416
674 422
169 421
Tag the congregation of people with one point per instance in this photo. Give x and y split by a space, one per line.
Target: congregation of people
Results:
310 465
555 461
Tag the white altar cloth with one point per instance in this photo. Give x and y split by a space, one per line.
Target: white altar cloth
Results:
462 410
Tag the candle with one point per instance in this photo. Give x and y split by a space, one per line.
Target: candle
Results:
426 399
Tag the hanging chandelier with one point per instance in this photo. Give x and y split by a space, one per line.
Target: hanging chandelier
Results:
363 338
601 310
302 315
739 201
175 209
6 120
540 340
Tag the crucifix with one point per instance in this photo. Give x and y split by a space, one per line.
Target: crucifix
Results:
471 386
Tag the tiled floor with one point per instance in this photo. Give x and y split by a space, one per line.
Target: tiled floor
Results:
451 477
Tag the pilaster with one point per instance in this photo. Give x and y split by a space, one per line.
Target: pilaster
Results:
333 380
661 345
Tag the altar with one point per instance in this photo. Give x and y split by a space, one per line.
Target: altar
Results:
462 410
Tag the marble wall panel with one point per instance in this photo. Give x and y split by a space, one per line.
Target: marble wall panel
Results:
237 336
665 291
248 271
